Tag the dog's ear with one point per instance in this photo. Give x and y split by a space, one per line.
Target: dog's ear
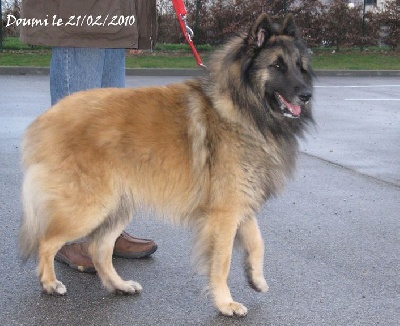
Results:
289 27
261 31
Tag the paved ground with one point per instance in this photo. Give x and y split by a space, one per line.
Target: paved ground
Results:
332 239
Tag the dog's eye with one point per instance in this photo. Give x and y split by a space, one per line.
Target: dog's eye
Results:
279 66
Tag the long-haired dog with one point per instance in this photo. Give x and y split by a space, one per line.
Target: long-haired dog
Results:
206 152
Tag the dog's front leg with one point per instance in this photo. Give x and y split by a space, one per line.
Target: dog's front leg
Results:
222 227
253 244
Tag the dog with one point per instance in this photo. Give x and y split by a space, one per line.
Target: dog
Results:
205 153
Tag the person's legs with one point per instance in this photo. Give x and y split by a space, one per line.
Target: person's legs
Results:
75 69
113 68
78 69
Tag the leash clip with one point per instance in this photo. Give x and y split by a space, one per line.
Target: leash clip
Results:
189 31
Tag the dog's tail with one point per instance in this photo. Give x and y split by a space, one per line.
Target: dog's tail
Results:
34 221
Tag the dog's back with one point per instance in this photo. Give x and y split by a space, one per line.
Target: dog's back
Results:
109 143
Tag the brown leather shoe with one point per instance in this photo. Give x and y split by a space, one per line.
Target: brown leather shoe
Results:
127 246
76 256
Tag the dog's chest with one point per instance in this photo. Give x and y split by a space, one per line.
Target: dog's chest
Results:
266 166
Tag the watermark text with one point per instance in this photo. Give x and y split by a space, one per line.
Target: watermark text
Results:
77 21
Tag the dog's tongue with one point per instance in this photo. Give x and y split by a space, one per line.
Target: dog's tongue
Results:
294 109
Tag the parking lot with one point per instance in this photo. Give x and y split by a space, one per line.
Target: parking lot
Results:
332 238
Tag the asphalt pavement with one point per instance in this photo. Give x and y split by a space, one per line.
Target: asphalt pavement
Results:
332 239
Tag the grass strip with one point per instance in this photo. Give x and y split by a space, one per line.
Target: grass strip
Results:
18 54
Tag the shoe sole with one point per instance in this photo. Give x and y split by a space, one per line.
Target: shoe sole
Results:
91 270
136 255
62 259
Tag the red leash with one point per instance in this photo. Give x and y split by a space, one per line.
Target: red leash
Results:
180 11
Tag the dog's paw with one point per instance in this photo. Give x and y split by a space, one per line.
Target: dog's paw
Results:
259 284
233 309
129 287
55 288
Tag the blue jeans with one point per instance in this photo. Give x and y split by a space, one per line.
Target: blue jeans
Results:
77 69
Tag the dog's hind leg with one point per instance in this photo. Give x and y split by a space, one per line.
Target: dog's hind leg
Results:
56 235
46 253
101 250
68 220
251 240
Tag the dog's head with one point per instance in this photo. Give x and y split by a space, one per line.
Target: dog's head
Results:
278 66
268 74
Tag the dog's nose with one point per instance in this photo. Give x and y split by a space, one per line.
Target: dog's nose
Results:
305 96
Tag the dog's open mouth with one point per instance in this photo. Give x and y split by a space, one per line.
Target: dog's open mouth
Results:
289 110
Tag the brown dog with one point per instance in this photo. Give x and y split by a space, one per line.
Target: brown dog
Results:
206 152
